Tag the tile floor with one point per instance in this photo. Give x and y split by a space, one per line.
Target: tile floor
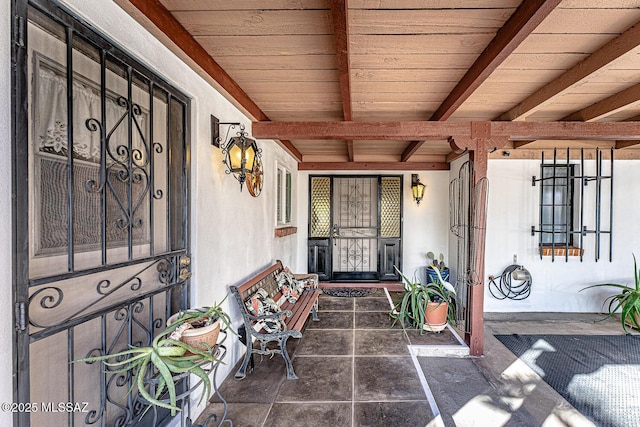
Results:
354 370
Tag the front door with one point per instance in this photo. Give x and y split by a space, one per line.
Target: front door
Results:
355 232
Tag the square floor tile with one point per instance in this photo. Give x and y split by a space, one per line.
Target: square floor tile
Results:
326 302
373 304
386 378
432 338
241 414
259 386
327 378
378 342
326 342
385 414
309 415
332 320
374 320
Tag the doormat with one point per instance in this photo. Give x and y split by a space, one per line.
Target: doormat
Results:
350 292
598 374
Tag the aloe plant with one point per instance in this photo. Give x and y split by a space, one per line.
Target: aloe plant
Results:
627 300
169 357
410 311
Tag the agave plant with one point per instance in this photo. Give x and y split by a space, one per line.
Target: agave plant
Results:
411 310
166 357
627 300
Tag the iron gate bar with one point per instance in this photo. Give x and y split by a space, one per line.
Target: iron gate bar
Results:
103 156
168 178
152 191
583 183
611 210
64 276
70 177
48 331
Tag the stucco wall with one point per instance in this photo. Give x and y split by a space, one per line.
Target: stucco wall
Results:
513 209
6 278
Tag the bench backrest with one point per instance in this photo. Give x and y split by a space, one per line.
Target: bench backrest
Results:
266 280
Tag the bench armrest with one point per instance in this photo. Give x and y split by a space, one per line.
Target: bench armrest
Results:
287 313
311 278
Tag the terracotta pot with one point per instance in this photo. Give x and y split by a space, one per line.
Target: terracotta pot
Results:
197 337
436 316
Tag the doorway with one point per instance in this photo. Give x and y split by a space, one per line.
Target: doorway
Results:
355 231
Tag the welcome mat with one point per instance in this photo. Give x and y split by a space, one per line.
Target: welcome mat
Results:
598 374
349 292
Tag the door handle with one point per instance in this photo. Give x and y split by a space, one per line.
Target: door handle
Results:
335 231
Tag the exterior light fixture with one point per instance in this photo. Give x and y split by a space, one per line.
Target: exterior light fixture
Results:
417 188
241 154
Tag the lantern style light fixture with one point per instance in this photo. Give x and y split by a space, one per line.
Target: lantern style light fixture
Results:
241 154
417 188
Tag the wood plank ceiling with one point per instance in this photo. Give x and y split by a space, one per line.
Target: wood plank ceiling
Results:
411 60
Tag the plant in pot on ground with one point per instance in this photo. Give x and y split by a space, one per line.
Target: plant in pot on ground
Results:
627 300
167 358
436 264
425 306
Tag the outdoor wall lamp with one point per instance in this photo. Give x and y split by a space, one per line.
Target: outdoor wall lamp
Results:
417 187
241 154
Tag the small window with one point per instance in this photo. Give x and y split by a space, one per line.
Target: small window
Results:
283 196
556 206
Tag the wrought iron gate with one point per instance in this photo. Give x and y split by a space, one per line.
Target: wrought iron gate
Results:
355 227
467 210
101 238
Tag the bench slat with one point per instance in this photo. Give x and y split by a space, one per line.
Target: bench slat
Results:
301 309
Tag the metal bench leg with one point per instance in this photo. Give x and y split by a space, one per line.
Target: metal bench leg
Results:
314 313
283 347
242 372
248 356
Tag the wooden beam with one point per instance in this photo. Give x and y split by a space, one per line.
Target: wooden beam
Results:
410 150
290 148
407 131
475 335
626 144
523 21
605 131
628 98
159 16
340 17
350 150
155 13
611 51
428 130
455 156
520 144
375 166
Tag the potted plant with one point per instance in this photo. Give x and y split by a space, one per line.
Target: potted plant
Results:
436 264
627 300
199 327
167 358
425 306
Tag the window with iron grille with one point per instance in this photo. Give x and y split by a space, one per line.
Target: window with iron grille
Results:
557 204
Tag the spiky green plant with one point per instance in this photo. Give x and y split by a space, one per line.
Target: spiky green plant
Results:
410 311
627 300
169 357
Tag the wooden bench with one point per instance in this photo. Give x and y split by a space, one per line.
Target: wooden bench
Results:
295 315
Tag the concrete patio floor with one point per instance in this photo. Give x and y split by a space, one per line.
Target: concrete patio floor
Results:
354 370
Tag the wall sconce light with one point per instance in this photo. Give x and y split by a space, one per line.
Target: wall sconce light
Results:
417 187
241 154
